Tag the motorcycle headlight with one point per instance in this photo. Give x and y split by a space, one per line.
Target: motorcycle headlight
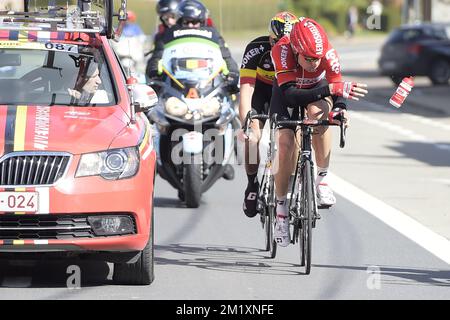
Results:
211 108
111 164
176 107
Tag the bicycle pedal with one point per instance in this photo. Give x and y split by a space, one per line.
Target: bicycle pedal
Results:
324 206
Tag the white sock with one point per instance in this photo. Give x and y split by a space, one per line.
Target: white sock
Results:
281 207
322 176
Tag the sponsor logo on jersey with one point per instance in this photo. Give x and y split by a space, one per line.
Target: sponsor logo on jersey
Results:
309 82
284 55
250 54
334 61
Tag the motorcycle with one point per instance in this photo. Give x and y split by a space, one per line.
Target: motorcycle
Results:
195 119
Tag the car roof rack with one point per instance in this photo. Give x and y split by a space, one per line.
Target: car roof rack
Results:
87 16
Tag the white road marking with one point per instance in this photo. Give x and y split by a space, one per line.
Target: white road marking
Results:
407 226
399 130
428 122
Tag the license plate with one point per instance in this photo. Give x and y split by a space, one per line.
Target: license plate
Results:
18 201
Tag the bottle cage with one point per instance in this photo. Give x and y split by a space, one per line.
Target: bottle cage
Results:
87 16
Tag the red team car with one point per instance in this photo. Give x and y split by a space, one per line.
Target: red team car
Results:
77 163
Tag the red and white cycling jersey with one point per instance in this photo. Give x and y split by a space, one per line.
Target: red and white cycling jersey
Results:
287 68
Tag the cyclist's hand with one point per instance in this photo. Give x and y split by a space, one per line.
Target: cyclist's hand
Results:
348 90
337 115
74 93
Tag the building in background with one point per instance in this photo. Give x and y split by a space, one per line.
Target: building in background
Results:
414 11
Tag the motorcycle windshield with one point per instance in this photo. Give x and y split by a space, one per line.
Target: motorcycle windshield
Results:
193 59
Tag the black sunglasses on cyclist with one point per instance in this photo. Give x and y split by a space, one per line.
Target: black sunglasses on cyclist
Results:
310 59
187 22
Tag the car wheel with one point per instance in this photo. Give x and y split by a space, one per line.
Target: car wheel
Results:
140 272
440 72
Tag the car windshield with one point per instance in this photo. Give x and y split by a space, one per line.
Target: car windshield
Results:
54 74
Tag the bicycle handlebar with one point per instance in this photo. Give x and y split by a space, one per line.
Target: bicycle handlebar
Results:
252 115
332 117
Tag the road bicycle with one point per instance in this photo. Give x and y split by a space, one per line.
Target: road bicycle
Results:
266 202
303 209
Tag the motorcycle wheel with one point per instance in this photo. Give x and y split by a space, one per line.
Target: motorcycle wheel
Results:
192 182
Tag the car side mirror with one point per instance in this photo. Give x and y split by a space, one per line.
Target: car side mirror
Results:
143 97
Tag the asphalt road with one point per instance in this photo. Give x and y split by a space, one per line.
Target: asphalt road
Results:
396 160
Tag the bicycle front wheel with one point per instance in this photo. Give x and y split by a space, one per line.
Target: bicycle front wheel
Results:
307 213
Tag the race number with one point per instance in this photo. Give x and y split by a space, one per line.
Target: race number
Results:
62 47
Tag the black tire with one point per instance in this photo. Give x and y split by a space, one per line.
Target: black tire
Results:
192 182
440 72
308 207
140 272
269 226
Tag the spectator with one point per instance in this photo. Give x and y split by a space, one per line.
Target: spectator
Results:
352 21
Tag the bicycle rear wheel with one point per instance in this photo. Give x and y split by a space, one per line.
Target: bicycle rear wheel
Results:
307 214
269 225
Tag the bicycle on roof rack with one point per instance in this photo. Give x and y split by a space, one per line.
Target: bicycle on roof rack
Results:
87 16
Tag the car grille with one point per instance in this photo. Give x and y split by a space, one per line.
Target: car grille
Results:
46 227
32 169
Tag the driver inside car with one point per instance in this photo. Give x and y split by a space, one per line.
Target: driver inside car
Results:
86 90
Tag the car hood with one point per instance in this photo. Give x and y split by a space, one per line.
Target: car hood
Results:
71 129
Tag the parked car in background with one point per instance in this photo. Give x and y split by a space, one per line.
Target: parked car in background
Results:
417 50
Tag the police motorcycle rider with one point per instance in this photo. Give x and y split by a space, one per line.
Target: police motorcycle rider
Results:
257 74
308 75
192 14
192 20
167 12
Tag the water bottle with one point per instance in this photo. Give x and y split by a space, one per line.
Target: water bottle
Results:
402 92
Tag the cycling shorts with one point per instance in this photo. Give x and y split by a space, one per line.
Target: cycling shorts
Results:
261 97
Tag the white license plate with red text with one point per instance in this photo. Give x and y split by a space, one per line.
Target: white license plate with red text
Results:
18 201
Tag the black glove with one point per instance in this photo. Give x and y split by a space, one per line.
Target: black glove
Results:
232 81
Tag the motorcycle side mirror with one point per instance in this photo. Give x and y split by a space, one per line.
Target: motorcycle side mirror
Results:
143 97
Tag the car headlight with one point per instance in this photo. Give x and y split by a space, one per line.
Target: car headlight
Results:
111 164
176 107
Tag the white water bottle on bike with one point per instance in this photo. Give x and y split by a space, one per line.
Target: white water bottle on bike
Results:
402 92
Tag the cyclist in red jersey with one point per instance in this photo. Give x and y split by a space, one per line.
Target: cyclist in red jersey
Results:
308 75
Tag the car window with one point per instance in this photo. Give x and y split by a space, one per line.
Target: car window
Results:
54 74
413 34
405 35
